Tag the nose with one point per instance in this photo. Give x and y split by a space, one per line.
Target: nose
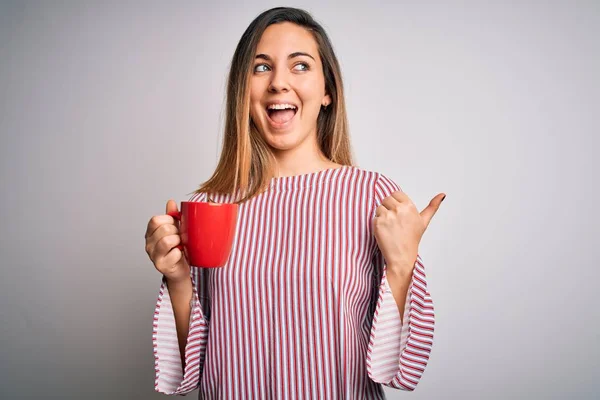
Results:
279 81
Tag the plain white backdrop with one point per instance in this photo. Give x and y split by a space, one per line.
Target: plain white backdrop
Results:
108 109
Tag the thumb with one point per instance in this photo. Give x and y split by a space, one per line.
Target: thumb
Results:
432 208
171 206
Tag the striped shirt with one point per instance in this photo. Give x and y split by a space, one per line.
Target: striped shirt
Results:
302 309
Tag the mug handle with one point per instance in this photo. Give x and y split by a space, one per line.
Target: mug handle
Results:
177 216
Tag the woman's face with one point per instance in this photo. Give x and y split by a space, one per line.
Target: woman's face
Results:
287 71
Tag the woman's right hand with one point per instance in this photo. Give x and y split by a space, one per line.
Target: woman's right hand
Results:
162 239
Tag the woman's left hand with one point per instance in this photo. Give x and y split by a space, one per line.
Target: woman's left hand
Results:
398 228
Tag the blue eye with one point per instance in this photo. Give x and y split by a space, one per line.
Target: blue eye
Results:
265 67
260 65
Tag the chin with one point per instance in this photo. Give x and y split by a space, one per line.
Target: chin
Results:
283 144
282 140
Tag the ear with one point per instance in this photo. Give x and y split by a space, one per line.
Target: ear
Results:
326 100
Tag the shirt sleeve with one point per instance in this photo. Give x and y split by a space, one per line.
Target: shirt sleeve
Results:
399 346
170 377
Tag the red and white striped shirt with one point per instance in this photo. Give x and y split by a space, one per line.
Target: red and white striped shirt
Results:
302 309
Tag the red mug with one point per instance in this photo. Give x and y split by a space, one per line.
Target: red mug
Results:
207 231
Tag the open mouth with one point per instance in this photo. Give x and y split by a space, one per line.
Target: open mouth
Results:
281 115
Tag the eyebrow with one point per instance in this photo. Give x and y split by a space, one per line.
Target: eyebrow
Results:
293 55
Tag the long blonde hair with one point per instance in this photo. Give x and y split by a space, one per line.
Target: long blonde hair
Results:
247 162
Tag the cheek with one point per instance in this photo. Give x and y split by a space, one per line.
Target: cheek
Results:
255 100
310 88
308 91
255 109
254 113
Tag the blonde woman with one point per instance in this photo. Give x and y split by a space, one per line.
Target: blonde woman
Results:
324 294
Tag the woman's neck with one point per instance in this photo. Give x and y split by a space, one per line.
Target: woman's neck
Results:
300 161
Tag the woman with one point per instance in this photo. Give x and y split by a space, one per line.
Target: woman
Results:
324 294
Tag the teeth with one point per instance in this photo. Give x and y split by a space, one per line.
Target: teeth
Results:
281 107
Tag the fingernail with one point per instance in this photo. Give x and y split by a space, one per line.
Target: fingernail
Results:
443 198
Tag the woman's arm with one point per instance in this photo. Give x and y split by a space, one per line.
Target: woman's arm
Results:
181 296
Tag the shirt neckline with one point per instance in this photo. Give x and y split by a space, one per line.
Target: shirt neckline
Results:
305 180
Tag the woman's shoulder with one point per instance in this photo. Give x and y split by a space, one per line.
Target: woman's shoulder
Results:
362 181
200 196
375 179
377 184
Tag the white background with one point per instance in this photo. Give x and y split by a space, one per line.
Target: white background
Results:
108 109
